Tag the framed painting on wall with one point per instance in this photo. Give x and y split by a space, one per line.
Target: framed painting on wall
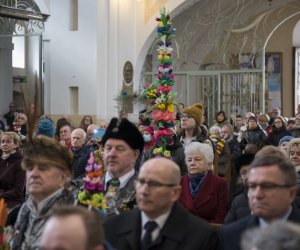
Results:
273 80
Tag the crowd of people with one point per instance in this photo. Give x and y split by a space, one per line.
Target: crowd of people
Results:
221 183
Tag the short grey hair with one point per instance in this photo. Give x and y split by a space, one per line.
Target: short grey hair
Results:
214 129
81 131
201 148
227 125
279 235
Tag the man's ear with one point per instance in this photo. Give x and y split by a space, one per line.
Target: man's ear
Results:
176 193
136 154
293 193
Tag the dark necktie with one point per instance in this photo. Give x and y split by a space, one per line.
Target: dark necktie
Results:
147 240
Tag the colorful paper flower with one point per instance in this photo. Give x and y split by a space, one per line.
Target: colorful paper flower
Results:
160 94
93 193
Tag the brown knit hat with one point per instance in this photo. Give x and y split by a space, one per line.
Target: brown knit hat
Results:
196 111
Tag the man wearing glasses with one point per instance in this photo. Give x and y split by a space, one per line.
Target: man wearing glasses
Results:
271 192
159 222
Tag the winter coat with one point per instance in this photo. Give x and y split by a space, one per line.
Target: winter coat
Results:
239 208
255 136
80 159
12 180
295 132
30 223
211 201
276 134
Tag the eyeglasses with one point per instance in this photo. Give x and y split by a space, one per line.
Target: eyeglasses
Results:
277 122
266 186
152 184
185 117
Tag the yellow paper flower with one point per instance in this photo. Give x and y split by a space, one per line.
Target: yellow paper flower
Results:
167 153
157 151
161 106
171 108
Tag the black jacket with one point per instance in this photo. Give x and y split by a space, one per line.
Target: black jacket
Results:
255 136
239 208
182 230
230 235
276 134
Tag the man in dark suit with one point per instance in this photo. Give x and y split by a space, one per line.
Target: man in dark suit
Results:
123 143
157 191
271 192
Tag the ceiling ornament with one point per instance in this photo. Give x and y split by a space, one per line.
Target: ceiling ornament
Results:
21 17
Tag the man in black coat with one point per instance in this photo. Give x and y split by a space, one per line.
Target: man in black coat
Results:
157 191
271 192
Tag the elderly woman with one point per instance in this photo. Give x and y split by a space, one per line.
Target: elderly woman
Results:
48 167
12 176
203 194
284 143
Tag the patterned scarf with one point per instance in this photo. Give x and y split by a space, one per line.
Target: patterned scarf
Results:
196 182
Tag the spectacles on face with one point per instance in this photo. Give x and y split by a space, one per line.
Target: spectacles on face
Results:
266 186
277 122
152 184
185 117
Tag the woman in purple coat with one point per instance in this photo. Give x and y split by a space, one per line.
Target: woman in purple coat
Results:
203 193
12 176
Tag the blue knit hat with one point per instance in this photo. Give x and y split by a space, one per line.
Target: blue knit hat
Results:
45 127
285 138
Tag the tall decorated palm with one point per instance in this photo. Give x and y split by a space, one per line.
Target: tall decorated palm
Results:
160 95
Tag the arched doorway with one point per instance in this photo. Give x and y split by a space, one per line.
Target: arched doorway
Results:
210 44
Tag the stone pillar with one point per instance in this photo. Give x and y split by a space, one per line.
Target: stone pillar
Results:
6 73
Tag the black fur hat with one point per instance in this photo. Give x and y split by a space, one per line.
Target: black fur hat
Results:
124 130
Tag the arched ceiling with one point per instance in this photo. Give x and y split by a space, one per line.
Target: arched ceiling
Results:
210 30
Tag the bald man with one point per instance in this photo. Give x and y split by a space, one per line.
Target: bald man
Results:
159 222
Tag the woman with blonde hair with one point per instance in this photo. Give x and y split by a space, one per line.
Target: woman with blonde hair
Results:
12 176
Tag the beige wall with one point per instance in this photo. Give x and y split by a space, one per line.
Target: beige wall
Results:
282 41
75 119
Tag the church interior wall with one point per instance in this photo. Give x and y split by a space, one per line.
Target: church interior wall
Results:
109 34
